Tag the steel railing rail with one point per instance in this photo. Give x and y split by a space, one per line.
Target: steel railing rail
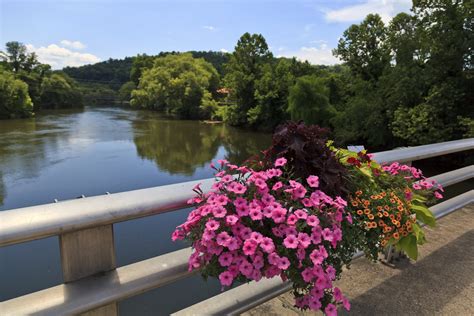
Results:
92 292
248 296
35 222
136 278
424 151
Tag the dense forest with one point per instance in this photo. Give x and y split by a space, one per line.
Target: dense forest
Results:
407 82
26 85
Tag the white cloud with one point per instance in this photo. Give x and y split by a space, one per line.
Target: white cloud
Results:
357 12
59 57
223 50
320 55
209 28
73 44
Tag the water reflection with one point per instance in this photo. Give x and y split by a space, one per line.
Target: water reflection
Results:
180 147
177 146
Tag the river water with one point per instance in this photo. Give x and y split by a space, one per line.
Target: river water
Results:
65 154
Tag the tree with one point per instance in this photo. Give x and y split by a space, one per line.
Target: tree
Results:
177 84
14 99
125 92
140 63
18 58
309 101
59 91
363 47
271 94
243 71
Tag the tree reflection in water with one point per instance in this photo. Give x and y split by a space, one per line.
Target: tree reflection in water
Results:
180 147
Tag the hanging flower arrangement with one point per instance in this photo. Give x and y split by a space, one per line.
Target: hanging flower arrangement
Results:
301 212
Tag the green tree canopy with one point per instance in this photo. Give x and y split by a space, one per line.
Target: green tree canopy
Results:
309 101
14 98
244 69
178 84
363 47
59 91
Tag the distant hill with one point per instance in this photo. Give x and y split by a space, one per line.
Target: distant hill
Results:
112 72
115 72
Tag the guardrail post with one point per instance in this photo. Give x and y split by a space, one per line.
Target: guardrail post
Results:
87 252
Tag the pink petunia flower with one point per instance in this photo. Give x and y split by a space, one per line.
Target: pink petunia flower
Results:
283 263
277 186
249 247
231 219
304 240
313 181
327 234
301 214
225 259
222 238
267 245
212 225
330 310
312 220
346 304
219 211
290 242
226 278
280 162
246 268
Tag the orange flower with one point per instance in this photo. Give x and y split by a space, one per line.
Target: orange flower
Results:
354 203
396 235
381 223
358 193
387 207
360 212
404 233
379 214
370 216
385 213
367 211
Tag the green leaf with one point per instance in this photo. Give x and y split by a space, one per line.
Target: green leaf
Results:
409 246
419 234
424 215
420 198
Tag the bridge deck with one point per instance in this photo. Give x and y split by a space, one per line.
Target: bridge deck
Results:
441 282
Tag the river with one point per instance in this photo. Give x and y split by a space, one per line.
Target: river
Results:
65 154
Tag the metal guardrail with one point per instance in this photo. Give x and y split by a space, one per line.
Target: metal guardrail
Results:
248 296
425 151
86 229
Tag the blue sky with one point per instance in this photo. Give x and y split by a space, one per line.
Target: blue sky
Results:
73 32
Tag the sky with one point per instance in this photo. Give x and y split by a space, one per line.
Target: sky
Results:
78 32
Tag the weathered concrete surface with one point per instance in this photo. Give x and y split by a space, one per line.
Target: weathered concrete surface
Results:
441 282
